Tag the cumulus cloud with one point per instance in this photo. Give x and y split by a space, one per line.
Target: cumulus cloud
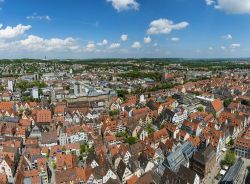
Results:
175 39
234 45
12 32
124 37
227 37
231 6
36 43
165 26
104 42
147 40
90 47
210 2
136 45
114 45
121 5
35 16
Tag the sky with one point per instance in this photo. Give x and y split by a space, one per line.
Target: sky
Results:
70 29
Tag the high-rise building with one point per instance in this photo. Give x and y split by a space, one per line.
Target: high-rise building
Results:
11 85
77 89
36 76
35 93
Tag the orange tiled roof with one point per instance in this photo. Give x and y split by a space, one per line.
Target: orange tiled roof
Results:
43 116
65 160
195 141
6 105
217 105
60 109
31 173
3 178
132 180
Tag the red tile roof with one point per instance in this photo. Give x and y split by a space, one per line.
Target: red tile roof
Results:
43 116
6 105
217 105
3 178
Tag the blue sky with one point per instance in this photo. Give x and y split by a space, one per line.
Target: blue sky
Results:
124 28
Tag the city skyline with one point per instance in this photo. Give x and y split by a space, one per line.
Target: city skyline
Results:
124 28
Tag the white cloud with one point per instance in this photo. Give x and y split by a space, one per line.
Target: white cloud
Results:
114 45
210 48
227 37
124 37
165 26
175 39
210 2
223 48
136 45
104 42
12 32
234 6
121 5
147 40
36 43
234 45
38 17
90 47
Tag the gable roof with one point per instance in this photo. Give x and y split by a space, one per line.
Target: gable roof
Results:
148 178
169 177
204 156
137 148
121 169
186 174
217 105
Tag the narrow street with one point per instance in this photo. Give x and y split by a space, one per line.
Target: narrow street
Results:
53 177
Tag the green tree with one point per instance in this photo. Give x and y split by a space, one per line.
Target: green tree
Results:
245 102
64 149
150 128
1 88
122 94
80 157
114 112
229 158
53 164
162 126
131 140
122 134
231 142
200 109
82 148
91 150
67 87
227 102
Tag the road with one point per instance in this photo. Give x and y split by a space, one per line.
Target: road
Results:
53 177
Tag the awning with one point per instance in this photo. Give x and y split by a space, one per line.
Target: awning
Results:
222 172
